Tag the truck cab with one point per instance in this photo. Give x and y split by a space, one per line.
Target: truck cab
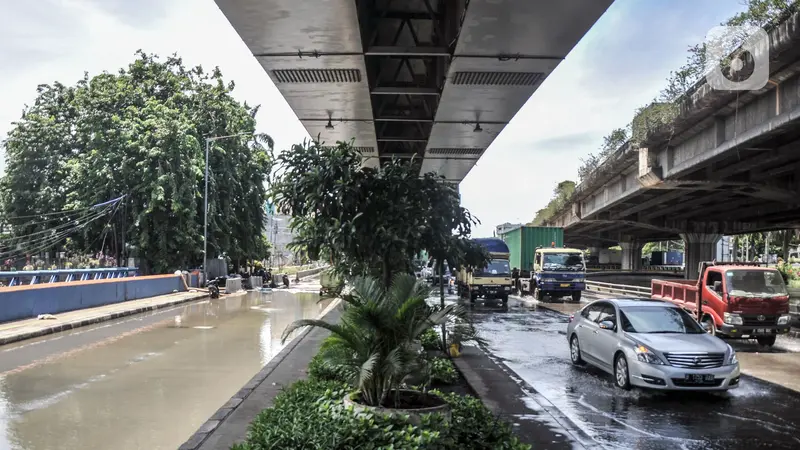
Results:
733 300
490 282
558 272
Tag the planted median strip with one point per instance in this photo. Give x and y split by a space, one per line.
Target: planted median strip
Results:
381 380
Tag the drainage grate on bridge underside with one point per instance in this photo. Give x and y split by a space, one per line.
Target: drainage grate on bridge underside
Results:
317 75
497 78
455 151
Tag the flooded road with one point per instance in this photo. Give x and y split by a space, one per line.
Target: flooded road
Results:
532 343
144 382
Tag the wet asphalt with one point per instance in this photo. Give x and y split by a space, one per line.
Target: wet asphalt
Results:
532 343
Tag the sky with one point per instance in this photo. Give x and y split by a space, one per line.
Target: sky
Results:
620 65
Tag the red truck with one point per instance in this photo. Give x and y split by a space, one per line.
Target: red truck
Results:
732 300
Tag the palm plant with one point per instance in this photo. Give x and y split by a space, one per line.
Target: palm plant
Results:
374 345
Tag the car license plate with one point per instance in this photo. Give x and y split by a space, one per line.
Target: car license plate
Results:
697 378
761 331
564 284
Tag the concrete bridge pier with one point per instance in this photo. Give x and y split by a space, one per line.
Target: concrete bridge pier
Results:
631 254
699 247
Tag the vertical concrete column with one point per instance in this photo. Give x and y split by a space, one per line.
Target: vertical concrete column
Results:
699 247
631 255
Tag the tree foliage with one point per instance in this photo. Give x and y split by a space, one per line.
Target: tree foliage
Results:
366 220
561 196
660 113
141 132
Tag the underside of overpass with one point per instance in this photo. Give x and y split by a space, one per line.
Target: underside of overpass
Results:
428 81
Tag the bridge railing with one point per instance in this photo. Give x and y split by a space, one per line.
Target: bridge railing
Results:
618 289
18 278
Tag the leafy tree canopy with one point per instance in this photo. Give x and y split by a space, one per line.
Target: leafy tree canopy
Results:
561 195
366 220
141 132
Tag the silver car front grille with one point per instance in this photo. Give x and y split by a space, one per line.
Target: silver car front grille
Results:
696 360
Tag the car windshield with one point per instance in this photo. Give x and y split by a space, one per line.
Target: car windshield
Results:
761 283
654 319
495 267
563 261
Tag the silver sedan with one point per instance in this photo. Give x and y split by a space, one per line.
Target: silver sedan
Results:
651 344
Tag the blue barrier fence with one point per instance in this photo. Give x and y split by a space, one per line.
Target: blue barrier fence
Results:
18 278
22 302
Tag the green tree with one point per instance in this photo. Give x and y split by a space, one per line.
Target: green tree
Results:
366 220
140 132
561 196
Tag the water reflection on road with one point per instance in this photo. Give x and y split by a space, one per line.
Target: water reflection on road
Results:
533 344
148 387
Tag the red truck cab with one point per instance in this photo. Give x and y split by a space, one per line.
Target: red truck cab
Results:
732 300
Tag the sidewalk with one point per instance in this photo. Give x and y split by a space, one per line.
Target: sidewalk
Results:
30 328
536 421
231 422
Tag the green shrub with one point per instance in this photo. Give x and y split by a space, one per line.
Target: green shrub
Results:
311 415
474 426
430 340
443 371
320 370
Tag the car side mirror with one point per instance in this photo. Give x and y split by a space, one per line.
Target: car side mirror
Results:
706 325
718 286
608 325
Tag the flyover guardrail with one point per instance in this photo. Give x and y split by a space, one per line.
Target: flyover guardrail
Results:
618 289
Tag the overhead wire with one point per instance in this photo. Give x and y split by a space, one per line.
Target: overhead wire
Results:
71 222
42 243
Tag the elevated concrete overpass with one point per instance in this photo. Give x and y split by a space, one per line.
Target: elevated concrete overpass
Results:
729 164
436 80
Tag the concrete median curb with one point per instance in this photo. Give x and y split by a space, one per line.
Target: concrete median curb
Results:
214 422
66 326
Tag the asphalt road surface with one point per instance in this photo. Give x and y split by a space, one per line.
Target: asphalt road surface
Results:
532 343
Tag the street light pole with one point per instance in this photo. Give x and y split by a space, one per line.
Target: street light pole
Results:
205 218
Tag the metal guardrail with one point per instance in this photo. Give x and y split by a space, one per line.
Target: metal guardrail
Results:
620 289
17 278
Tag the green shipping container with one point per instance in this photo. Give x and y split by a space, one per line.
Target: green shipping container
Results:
523 241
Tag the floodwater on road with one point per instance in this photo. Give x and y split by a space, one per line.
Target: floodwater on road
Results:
146 382
532 343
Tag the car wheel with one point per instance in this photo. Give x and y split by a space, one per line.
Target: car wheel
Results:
575 351
621 377
767 341
709 326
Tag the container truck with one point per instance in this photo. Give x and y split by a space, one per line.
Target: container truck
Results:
558 272
491 282
523 242
732 300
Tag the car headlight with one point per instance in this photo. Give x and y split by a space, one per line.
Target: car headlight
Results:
645 355
508 288
732 360
733 319
549 280
784 319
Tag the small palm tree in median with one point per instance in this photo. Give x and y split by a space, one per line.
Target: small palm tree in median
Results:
374 345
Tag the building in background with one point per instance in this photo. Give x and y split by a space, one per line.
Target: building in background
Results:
502 229
279 236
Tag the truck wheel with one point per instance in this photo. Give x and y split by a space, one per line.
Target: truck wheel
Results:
505 299
537 294
766 341
576 296
473 298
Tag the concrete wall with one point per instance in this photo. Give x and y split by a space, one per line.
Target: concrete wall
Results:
22 302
